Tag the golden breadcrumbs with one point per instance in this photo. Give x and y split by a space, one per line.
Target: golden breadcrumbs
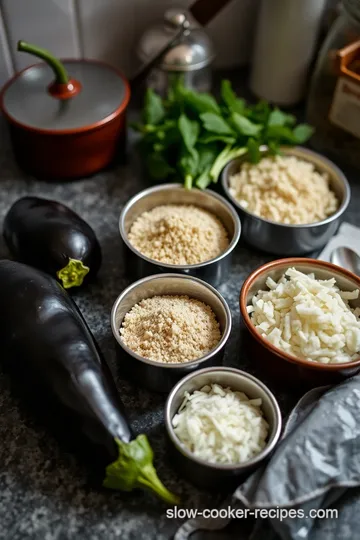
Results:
284 189
170 329
179 234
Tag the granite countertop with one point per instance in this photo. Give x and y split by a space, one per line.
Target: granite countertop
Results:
44 493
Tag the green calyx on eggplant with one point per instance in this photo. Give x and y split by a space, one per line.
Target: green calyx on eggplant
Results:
48 235
48 348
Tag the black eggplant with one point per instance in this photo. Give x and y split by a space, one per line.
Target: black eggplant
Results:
48 235
47 346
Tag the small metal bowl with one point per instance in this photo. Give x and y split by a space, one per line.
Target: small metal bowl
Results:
283 368
213 271
283 239
217 476
159 376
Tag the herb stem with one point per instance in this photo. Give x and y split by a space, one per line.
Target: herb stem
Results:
188 181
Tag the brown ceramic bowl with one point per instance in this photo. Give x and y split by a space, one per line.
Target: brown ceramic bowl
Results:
280 366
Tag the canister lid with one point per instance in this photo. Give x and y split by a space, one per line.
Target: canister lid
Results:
193 51
103 94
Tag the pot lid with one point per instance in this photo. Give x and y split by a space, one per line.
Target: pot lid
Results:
193 51
97 93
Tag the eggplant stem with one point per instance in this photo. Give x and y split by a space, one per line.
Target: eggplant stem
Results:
134 469
56 65
73 274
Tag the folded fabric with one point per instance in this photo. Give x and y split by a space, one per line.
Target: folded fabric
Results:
315 466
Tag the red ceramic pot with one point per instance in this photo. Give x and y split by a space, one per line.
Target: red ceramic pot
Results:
68 127
285 369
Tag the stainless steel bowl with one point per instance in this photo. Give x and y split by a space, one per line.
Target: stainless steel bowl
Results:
203 474
213 271
159 376
287 240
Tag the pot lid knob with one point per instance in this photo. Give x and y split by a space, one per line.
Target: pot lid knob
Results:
63 87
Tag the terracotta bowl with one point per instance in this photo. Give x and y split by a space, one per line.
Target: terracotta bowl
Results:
281 367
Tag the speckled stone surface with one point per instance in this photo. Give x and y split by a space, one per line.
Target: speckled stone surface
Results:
44 493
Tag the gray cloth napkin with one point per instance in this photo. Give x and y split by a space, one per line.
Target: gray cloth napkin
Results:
315 466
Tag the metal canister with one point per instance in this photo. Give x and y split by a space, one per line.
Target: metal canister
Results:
190 58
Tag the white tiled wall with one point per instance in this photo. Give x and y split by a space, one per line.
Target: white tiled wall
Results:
109 29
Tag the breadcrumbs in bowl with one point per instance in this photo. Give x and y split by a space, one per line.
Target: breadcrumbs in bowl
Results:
166 326
182 227
179 234
284 189
289 205
171 329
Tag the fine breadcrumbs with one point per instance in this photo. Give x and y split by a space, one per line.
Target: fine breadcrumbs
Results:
284 189
171 329
179 234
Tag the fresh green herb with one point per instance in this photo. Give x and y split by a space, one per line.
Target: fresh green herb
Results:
216 124
189 165
244 126
213 137
204 180
154 111
279 118
253 149
189 130
230 99
190 135
281 135
158 166
200 103
302 133
223 158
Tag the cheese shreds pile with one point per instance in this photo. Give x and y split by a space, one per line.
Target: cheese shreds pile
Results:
172 329
179 234
308 318
219 425
285 190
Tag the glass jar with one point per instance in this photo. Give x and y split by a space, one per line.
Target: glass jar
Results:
334 98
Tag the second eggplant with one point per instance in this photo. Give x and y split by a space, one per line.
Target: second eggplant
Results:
56 363
50 236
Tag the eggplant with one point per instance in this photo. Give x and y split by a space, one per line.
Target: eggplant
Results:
48 235
48 348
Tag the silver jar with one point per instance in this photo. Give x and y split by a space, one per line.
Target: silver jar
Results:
190 57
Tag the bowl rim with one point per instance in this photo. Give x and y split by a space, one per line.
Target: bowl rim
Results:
221 344
306 152
287 263
270 445
174 267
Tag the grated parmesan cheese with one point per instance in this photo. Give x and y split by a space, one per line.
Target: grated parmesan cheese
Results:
308 318
220 425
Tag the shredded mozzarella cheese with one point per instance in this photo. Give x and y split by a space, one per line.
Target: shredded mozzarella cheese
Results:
308 318
219 425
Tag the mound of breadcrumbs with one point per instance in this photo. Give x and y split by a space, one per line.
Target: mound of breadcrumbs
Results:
172 329
284 189
179 234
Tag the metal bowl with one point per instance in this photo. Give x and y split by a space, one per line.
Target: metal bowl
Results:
283 239
283 368
159 376
217 476
213 271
